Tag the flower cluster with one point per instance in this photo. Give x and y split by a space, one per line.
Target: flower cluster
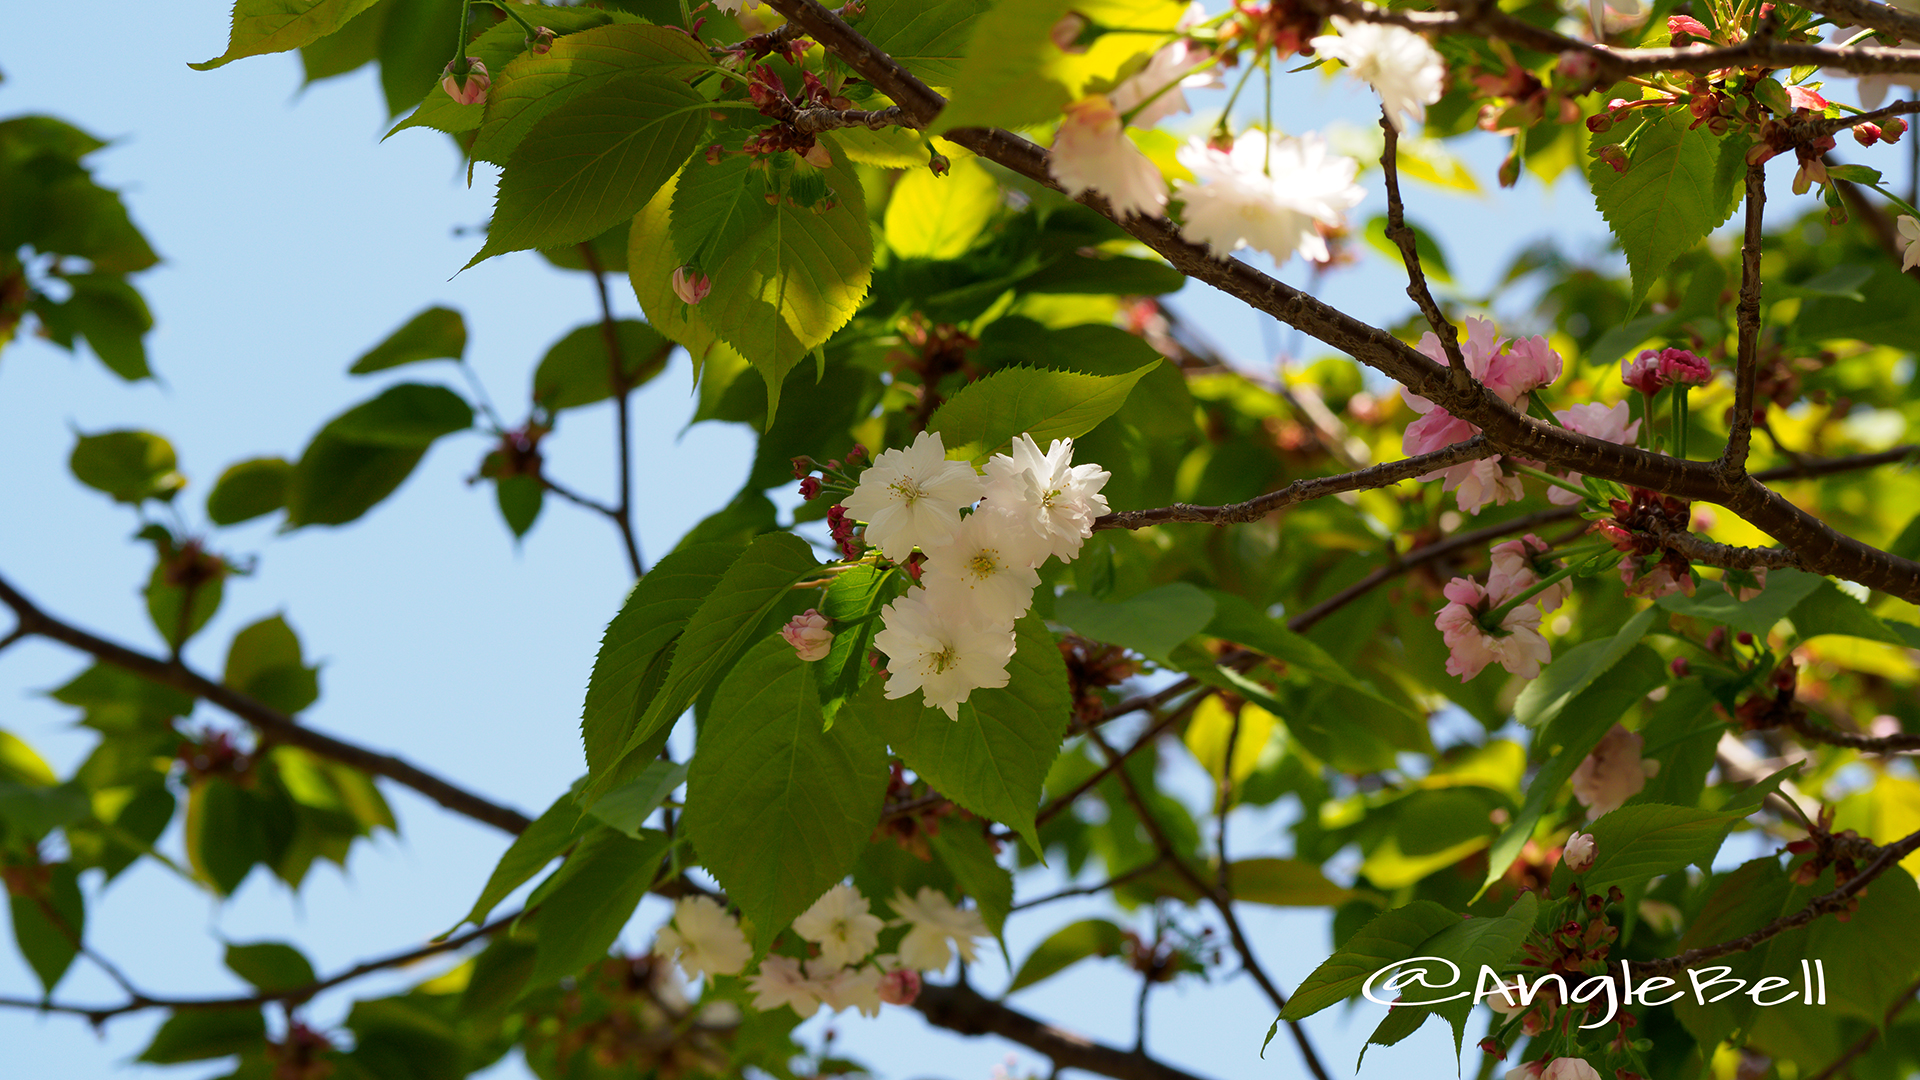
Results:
1515 643
953 633
844 935
1654 369
1511 370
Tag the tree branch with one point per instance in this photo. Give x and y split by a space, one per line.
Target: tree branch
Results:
273 725
1403 238
814 121
1316 487
1867 13
1798 720
1733 461
617 383
1824 550
961 1009
1117 880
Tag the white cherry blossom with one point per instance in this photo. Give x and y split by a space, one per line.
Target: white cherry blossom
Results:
1091 151
1400 65
781 982
1267 193
940 651
1909 227
846 987
938 929
987 567
912 497
707 939
1057 499
842 925
1170 68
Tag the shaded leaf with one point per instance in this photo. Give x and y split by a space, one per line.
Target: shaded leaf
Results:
437 333
131 466
986 415
270 26
270 965
249 489
1066 947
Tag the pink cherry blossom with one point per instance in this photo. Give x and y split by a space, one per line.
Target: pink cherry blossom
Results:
1526 366
1661 581
1567 1068
1688 25
1511 373
1513 572
809 636
900 986
1679 366
1530 1071
1520 649
690 285
1483 483
1612 773
1642 372
1578 854
1609 422
468 89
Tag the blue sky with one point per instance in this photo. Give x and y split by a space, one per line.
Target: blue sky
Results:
293 239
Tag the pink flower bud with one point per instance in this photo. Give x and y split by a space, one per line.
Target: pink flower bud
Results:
1891 131
1491 1047
690 285
1688 26
1613 156
1866 134
1067 33
468 89
1680 668
900 986
809 636
1678 366
1600 123
1642 373
1578 854
809 487
542 41
1569 1068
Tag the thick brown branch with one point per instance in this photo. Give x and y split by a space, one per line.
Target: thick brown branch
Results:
1797 719
1824 550
1733 461
1867 13
273 725
1403 238
1317 487
814 121
1709 553
959 1008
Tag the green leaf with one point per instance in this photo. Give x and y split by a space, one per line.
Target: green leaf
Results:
270 26
593 162
722 627
577 371
113 318
177 611
1066 947
985 416
939 217
852 603
1236 619
1887 313
409 416
795 279
413 50
1432 260
202 1034
1671 196
1391 936
1582 722
270 966
347 49
1827 610
1785 588
20 764
336 481
531 87
47 928
1576 669
1470 945
580 918
1285 883
230 829
928 36
520 499
716 207
32 811
497 48
437 333
969 857
636 649
499 974
264 663
1640 840
249 489
1152 623
550 834
628 806
993 760
131 466
651 261
779 808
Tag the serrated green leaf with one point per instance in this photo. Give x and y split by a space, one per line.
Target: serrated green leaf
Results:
778 807
852 603
1066 947
1576 669
994 759
249 489
1152 623
582 916
1014 76
1391 936
131 466
270 26
497 48
970 858
939 217
409 416
437 333
1827 610
1672 195
628 806
531 86
716 207
928 38
1785 588
594 162
550 834
1469 945
985 416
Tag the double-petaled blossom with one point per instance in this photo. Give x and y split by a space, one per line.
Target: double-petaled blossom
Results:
1269 192
1613 423
912 497
1642 373
1165 74
987 568
1679 367
1399 64
846 987
1091 152
935 645
1054 499
1579 853
1613 773
780 981
1909 228
704 937
1516 646
938 930
842 925
809 636
1511 373
1570 1068
1513 572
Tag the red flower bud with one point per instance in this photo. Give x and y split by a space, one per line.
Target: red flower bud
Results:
1600 123
1682 26
1866 134
541 42
809 487
1891 131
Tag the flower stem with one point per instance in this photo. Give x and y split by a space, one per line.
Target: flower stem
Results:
1549 478
1539 408
460 65
1679 394
525 26
1492 619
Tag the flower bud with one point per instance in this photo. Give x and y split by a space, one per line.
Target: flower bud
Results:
1866 134
1891 131
938 164
541 42
1678 366
1613 156
900 986
1719 125
1684 26
817 156
715 153
1069 34
809 636
809 488
1491 1047
1600 123
468 89
690 285
1680 668
1579 852
1743 638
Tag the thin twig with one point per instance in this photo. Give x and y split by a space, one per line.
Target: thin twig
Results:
619 387
1052 809
961 1009
580 500
1733 461
1797 719
1403 238
1114 882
